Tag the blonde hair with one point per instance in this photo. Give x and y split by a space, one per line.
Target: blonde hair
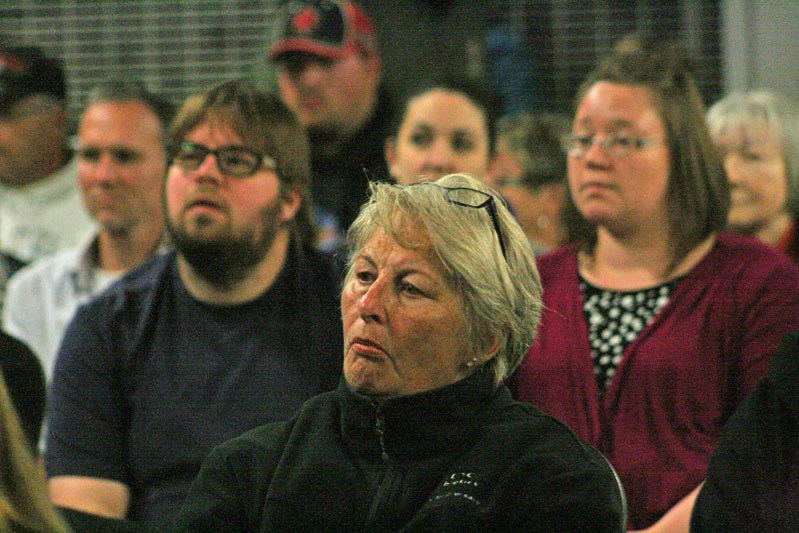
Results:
780 116
24 504
500 295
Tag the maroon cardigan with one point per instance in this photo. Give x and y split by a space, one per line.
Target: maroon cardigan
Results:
679 381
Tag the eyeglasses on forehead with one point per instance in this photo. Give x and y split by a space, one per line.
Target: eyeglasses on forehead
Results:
475 199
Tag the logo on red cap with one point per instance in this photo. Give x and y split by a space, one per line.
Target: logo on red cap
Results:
305 20
12 63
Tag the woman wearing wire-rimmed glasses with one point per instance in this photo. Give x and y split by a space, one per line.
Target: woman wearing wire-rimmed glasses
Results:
439 305
656 325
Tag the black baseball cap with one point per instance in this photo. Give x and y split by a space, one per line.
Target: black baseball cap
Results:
326 28
25 71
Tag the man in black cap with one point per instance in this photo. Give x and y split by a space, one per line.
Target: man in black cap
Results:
40 205
329 72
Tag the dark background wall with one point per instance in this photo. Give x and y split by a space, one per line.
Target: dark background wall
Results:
180 46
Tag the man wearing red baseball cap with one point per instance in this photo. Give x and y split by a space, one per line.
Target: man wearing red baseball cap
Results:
329 73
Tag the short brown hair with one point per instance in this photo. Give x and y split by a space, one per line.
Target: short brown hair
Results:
698 193
535 141
266 125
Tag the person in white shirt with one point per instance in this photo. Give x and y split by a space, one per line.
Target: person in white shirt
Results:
40 206
121 159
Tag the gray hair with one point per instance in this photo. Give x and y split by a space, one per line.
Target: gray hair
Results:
780 116
500 298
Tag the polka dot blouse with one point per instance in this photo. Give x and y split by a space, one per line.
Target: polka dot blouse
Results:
615 318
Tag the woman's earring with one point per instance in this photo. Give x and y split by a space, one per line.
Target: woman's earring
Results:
471 362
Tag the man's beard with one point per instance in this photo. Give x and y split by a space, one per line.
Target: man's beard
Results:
226 259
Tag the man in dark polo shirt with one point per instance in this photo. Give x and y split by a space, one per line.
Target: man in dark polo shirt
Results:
236 328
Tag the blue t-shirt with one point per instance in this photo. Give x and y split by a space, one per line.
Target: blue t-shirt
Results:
149 379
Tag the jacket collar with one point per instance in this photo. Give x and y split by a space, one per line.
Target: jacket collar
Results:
419 425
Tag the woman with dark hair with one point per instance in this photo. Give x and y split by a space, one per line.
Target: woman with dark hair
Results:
753 476
445 126
657 325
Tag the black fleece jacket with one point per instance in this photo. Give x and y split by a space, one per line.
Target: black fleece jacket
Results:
465 457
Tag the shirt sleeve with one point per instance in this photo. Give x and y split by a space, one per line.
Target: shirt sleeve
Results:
21 307
751 478
730 498
87 419
768 308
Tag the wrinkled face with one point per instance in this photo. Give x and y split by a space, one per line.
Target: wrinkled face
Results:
755 165
327 95
215 216
621 193
121 164
442 133
31 140
403 324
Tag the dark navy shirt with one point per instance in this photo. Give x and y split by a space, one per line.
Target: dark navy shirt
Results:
149 379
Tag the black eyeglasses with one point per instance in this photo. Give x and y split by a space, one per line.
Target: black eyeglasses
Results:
237 161
476 199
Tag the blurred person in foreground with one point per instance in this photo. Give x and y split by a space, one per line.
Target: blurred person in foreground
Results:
658 324
24 502
235 328
758 135
753 479
445 126
529 171
24 505
329 72
122 158
440 302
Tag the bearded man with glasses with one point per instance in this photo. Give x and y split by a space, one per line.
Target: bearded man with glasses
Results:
234 329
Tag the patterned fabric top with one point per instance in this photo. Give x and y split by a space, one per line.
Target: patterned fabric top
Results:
615 318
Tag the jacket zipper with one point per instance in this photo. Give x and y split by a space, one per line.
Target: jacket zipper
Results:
385 483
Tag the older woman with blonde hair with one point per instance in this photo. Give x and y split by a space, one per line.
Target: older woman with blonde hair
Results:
758 134
440 302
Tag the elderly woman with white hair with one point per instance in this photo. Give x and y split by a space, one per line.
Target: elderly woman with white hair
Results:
441 301
758 134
